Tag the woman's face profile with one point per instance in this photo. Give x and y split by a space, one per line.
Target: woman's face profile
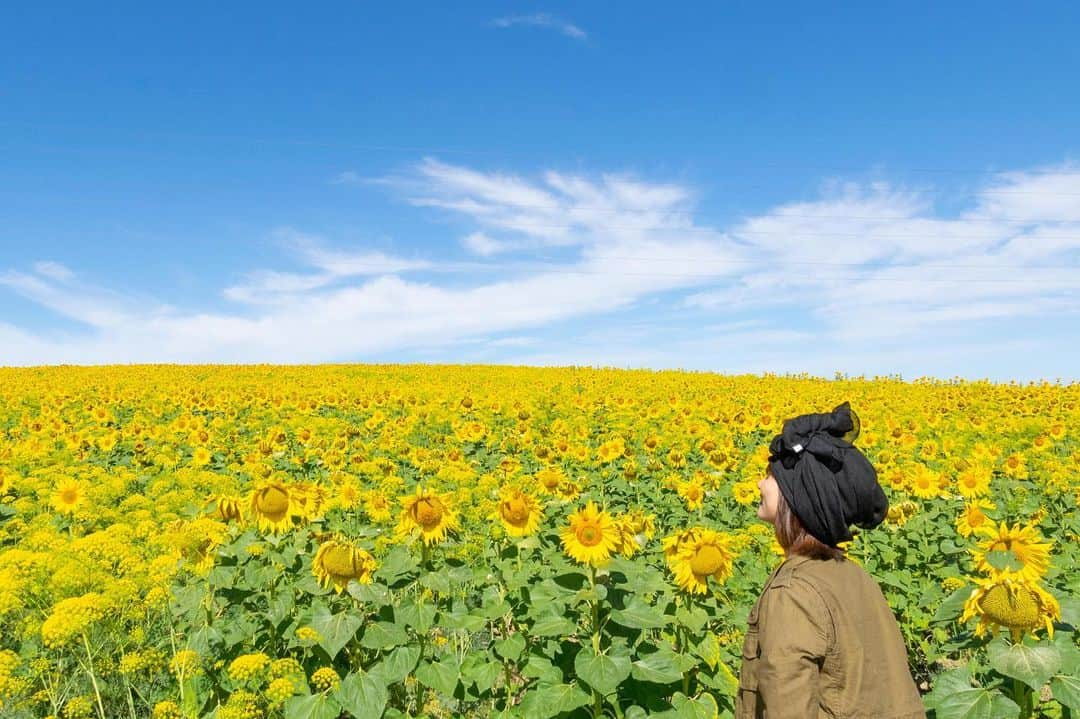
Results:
770 496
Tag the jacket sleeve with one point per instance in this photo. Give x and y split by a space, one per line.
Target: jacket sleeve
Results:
795 633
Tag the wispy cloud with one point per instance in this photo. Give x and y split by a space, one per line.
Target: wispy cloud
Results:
865 278
542 20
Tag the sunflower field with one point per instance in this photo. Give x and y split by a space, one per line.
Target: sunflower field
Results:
468 541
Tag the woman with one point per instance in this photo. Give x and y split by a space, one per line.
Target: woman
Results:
821 640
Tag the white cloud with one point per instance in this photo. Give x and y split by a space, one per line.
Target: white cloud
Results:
868 277
480 244
53 271
543 20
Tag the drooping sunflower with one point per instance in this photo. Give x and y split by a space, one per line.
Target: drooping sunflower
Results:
707 553
68 496
228 507
591 536
1017 604
974 517
429 513
1020 545
519 513
271 505
339 562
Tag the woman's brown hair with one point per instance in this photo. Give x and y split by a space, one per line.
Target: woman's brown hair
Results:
793 537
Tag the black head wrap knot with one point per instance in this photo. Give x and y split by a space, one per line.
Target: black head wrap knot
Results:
827 482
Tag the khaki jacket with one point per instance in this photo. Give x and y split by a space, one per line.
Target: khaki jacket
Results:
822 642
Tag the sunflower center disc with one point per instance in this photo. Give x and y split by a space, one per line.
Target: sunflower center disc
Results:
274 502
428 513
589 535
515 511
708 560
339 561
1018 611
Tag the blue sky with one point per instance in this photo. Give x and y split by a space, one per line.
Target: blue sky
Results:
867 188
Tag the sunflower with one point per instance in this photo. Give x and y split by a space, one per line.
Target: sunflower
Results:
611 450
377 506
674 543
429 513
745 493
550 478
925 482
228 507
519 513
1021 544
692 493
707 553
340 562
1017 604
271 503
568 491
973 482
1015 466
591 537
974 517
68 496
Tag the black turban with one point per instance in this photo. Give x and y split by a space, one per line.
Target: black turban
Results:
828 483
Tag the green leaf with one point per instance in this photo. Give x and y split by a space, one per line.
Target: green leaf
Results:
639 615
693 619
1004 559
436 581
552 626
602 672
441 675
398 664
511 647
479 668
659 667
950 609
417 614
702 707
363 695
953 697
547 701
1032 665
313 706
335 630
542 669
1067 691
383 635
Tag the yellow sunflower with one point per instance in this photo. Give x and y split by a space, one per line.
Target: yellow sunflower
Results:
228 507
550 478
429 513
745 493
591 537
674 543
377 506
974 518
1021 545
68 496
925 482
339 562
519 513
707 554
973 482
692 493
271 504
1018 605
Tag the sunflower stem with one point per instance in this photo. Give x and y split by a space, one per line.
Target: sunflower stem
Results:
93 677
